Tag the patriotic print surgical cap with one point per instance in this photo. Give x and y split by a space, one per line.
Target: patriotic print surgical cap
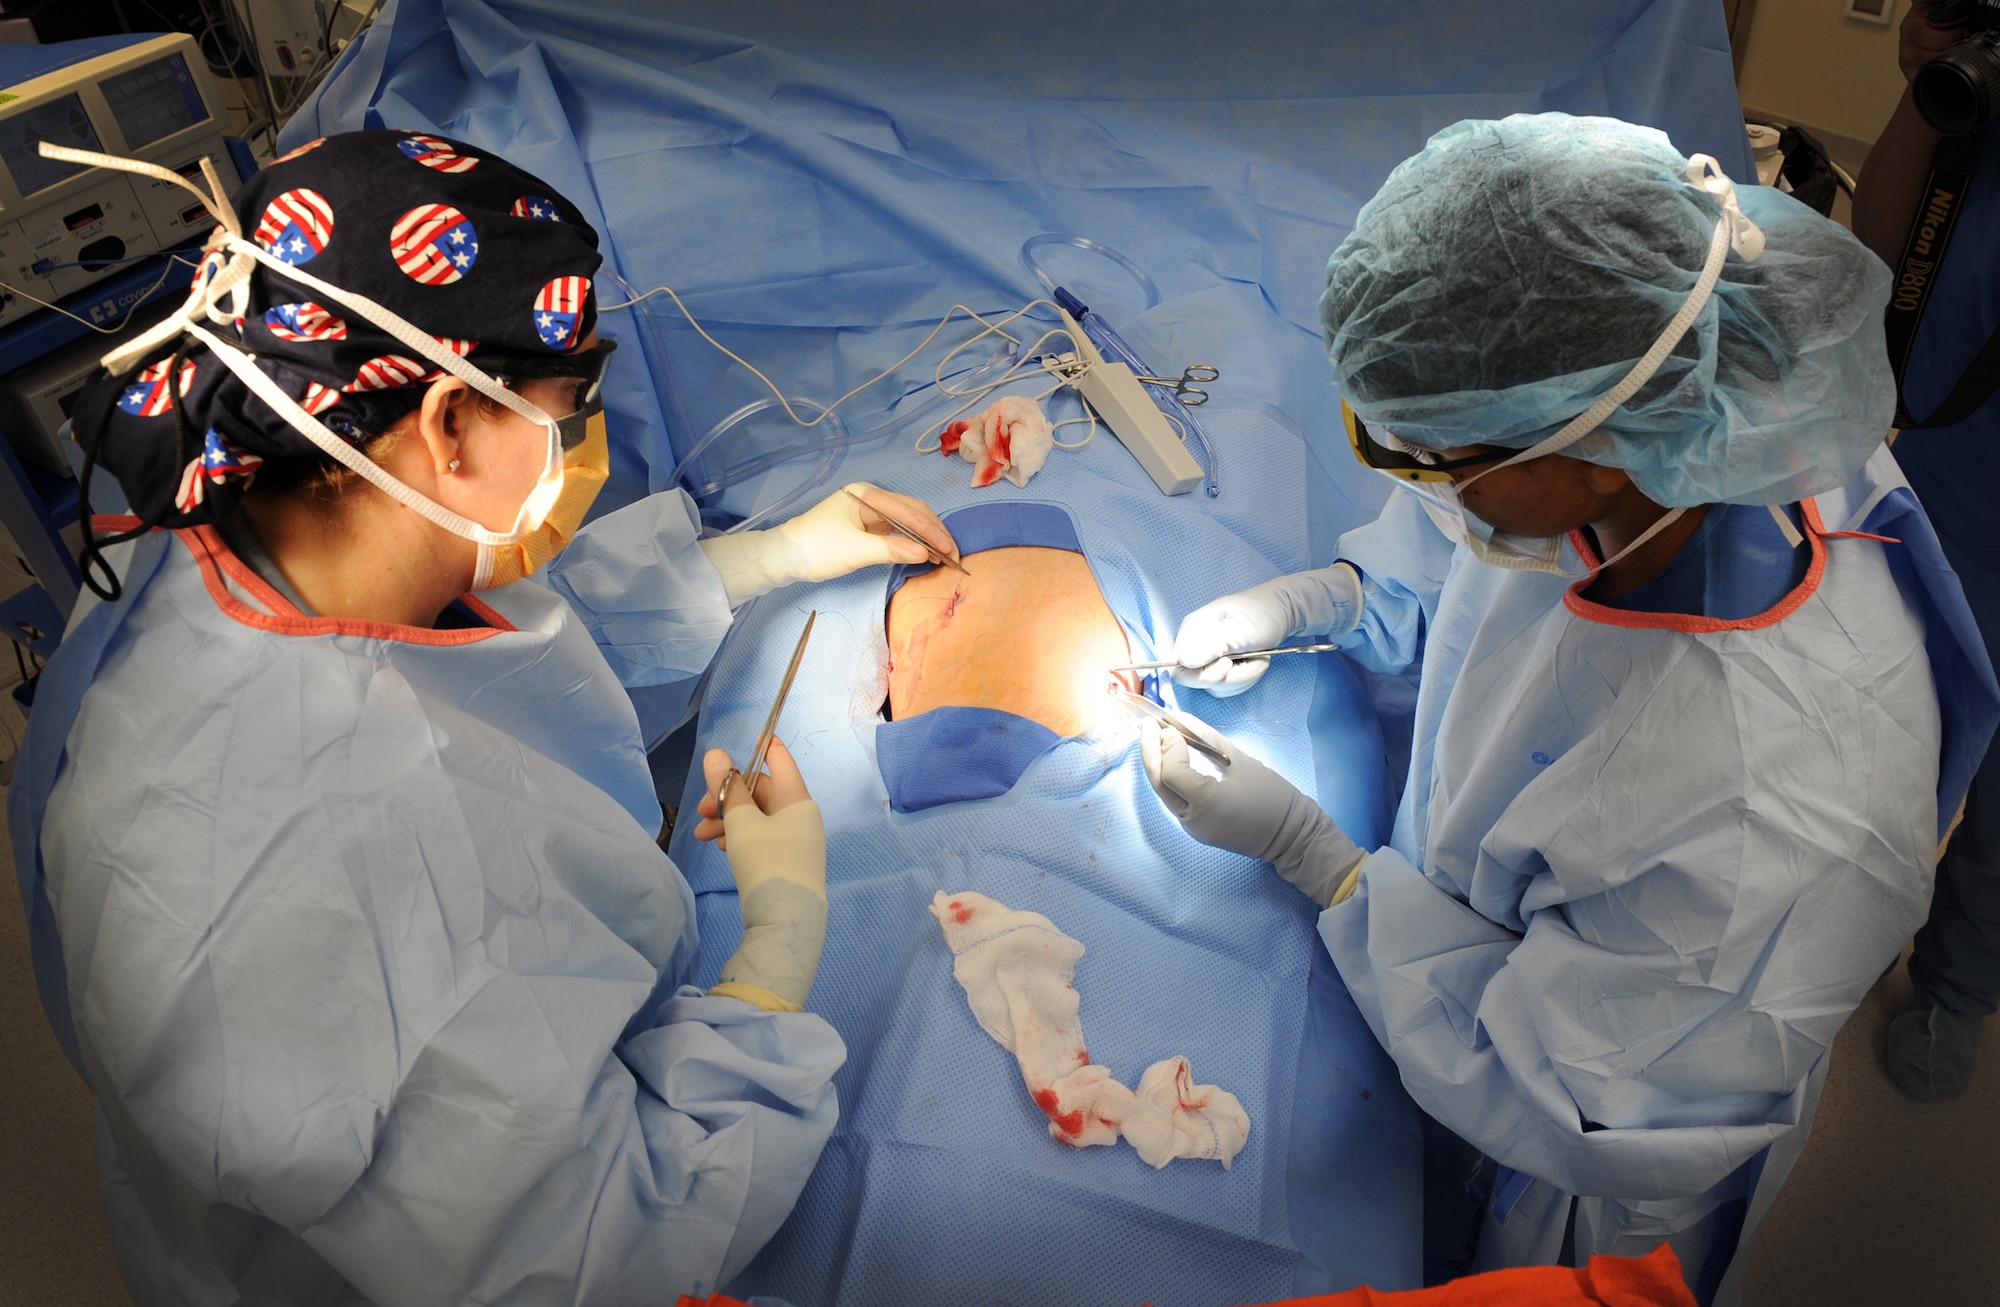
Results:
456 240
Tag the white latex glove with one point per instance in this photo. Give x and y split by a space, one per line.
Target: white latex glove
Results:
776 844
834 537
1324 602
1247 808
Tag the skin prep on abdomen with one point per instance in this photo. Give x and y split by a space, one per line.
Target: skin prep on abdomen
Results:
1027 632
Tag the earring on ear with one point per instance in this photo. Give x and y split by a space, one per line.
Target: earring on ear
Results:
452 466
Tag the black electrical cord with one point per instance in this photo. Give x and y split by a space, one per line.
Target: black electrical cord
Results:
1807 167
30 665
332 10
97 573
228 55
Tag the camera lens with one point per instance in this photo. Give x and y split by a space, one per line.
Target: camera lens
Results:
1958 91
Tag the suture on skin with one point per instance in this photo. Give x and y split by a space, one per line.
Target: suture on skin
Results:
920 635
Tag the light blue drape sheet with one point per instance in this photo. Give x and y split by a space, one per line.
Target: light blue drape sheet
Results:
820 183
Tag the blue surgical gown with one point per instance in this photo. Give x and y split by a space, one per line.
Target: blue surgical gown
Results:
362 939
1644 867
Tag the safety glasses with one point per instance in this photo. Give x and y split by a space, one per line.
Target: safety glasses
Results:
1402 464
586 365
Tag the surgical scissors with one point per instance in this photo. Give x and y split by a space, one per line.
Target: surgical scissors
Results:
770 730
1183 386
936 553
1182 724
1238 656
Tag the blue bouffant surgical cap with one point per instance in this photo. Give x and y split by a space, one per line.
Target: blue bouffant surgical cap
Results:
1512 272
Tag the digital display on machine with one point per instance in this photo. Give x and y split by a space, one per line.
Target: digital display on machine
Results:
154 100
59 122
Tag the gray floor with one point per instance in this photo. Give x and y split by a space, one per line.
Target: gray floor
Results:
1895 1201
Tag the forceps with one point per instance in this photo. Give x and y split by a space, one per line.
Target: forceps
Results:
1184 389
1238 656
1184 725
902 530
771 722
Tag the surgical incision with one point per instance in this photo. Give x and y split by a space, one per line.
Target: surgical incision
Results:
1028 632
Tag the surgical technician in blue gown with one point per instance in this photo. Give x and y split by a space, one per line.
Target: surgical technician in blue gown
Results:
1696 687
335 830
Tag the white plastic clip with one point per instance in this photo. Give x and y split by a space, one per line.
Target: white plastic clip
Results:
1745 236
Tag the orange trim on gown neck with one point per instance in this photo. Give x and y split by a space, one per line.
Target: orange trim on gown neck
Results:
215 559
1592 611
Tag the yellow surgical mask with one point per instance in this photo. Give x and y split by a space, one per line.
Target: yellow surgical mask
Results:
584 470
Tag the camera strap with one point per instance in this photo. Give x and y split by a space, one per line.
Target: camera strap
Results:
1953 165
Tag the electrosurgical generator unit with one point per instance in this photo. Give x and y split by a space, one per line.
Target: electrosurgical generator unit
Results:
65 225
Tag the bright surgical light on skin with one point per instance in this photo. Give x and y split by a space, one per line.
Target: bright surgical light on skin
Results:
1095 690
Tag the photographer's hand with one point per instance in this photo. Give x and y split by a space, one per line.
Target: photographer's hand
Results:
1918 42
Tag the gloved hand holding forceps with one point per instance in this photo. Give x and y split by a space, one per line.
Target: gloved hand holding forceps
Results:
1247 808
842 533
1322 602
779 862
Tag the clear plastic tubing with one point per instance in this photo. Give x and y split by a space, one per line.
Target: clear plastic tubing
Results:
1133 270
723 428
834 446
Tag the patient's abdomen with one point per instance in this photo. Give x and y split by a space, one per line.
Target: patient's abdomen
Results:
1028 632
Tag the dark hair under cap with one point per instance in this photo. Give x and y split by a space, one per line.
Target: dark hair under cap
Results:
458 241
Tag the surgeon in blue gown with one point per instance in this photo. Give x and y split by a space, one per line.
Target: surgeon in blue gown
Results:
1697 690
334 826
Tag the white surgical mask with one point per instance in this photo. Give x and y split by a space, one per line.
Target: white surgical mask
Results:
1444 501
1489 544
497 549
